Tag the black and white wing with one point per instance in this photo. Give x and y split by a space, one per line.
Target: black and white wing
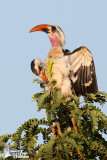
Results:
82 74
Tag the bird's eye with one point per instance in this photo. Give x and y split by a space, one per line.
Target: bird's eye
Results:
40 68
53 28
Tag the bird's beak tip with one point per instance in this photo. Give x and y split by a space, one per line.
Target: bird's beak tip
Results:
44 77
42 27
30 31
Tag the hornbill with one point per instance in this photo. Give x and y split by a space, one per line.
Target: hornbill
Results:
74 71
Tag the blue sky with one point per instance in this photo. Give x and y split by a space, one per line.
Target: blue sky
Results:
84 24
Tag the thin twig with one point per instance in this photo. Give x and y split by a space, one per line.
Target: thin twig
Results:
76 131
53 130
57 122
83 101
58 125
73 122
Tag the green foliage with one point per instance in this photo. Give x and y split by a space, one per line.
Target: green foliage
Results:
26 136
38 81
50 65
91 123
100 97
3 140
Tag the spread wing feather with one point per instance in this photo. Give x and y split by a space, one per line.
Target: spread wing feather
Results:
82 74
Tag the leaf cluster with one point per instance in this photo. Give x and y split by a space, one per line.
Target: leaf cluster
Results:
90 121
3 140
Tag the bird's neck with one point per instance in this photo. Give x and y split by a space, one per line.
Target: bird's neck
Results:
54 40
55 52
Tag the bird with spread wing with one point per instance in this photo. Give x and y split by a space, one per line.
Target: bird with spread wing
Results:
74 71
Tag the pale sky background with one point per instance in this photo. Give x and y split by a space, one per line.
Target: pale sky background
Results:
84 23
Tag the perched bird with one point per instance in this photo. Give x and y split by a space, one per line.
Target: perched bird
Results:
39 68
74 71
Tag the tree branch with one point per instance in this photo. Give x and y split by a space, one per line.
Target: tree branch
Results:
76 131
58 125
57 122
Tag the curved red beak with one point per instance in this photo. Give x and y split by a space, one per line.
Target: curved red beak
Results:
43 76
42 27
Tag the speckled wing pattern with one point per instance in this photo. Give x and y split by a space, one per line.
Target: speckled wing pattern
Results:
82 74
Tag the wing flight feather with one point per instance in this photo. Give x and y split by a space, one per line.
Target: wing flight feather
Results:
82 74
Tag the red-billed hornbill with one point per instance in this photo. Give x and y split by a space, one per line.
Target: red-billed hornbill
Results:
74 71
